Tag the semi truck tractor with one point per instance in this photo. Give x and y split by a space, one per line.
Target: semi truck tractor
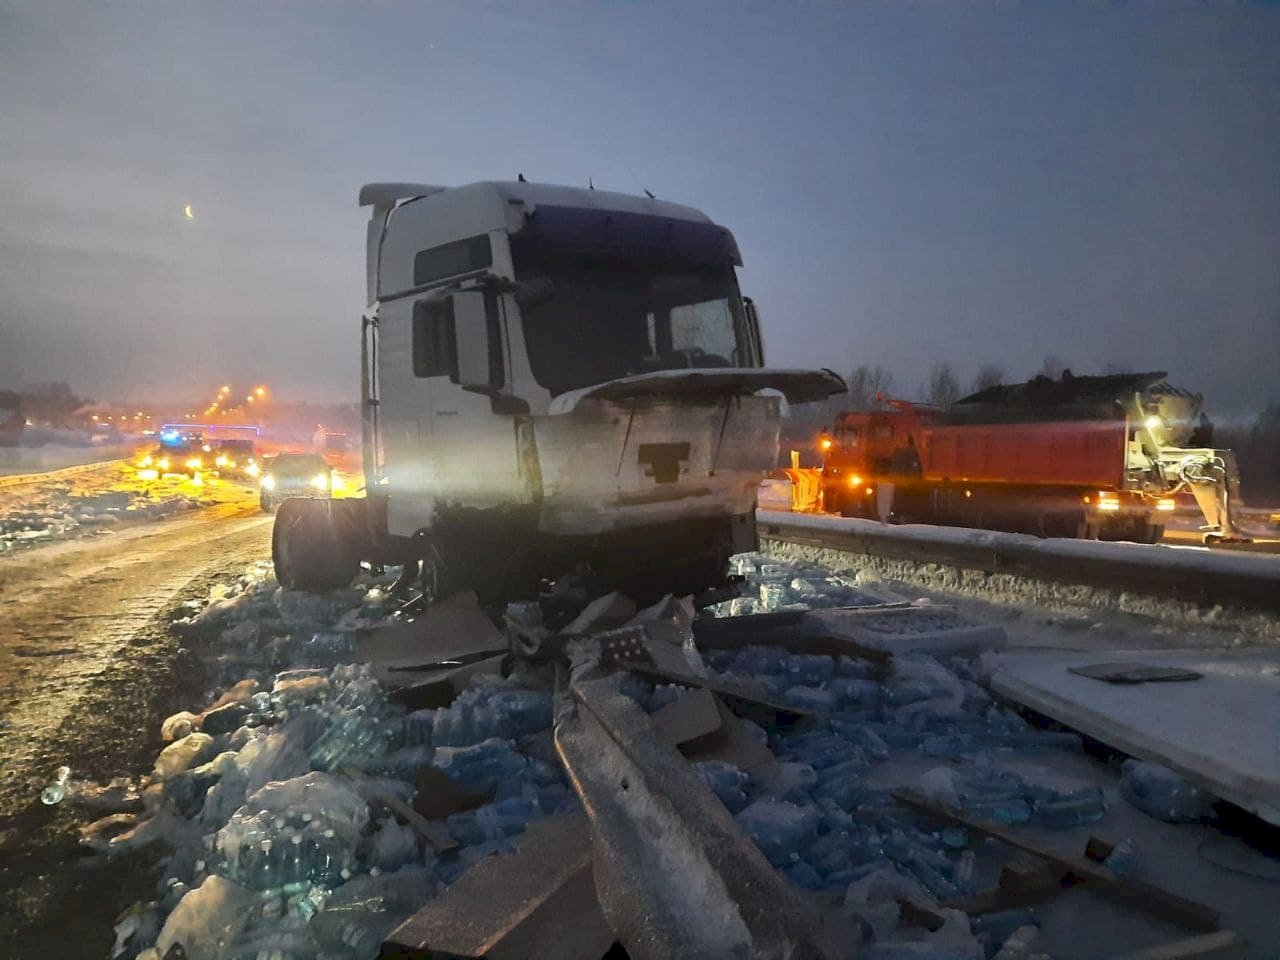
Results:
552 378
1098 457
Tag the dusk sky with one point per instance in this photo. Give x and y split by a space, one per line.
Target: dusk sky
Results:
908 182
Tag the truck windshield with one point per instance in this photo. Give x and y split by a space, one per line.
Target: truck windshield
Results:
597 321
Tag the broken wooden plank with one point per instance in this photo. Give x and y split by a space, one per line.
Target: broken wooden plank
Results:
691 722
423 690
452 628
537 903
735 745
1145 896
1221 945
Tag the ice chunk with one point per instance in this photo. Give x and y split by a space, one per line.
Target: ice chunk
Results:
206 919
178 726
192 749
1159 792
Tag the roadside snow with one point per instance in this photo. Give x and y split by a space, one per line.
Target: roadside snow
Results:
93 503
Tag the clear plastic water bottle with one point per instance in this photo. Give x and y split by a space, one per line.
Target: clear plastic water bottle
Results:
1073 809
1124 859
57 788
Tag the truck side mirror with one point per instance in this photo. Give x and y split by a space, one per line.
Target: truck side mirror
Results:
753 328
472 340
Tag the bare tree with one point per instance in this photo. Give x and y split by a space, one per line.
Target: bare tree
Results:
944 389
866 384
989 375
1052 367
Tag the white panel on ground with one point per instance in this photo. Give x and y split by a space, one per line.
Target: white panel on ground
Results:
1221 732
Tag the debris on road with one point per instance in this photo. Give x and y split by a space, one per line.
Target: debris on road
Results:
92 504
756 785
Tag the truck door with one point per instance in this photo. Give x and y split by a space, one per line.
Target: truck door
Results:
405 378
471 459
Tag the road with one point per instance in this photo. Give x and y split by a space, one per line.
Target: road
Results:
88 669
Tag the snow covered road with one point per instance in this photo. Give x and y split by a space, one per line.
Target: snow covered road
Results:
87 666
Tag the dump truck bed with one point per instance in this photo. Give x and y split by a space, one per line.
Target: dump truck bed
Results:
1071 453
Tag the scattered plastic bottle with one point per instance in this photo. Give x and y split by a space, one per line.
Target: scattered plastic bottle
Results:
726 781
1072 810
57 788
1124 859
1159 792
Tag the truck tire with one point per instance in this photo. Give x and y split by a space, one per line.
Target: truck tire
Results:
309 549
1152 533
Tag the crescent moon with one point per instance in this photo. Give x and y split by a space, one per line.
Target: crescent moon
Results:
187 211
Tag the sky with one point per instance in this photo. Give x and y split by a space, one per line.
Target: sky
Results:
908 182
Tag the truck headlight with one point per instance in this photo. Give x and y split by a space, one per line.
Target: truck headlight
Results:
164 463
195 463
320 481
223 462
268 482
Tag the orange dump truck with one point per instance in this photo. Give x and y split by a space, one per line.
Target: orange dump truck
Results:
1094 457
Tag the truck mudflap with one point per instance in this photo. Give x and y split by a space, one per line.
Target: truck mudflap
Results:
798 386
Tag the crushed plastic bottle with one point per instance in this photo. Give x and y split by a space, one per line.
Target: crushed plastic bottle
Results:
1159 792
726 781
1072 810
57 788
1124 859
494 821
779 828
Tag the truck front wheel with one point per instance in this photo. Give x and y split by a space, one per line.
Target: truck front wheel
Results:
311 548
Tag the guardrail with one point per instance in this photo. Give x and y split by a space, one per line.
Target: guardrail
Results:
1192 576
18 479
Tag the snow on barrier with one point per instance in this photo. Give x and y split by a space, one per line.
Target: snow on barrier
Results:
20 479
1192 576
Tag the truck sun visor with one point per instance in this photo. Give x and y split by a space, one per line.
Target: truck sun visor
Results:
632 237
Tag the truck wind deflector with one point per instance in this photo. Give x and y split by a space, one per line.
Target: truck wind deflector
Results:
798 386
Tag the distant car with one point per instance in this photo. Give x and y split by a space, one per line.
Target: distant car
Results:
294 475
171 458
237 458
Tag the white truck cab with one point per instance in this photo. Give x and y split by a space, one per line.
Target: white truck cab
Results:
551 376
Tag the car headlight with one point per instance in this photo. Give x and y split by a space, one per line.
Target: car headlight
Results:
164 463
252 470
320 481
268 482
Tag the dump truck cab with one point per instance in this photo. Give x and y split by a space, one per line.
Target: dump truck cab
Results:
555 376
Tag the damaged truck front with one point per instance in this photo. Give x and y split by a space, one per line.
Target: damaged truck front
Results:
552 377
